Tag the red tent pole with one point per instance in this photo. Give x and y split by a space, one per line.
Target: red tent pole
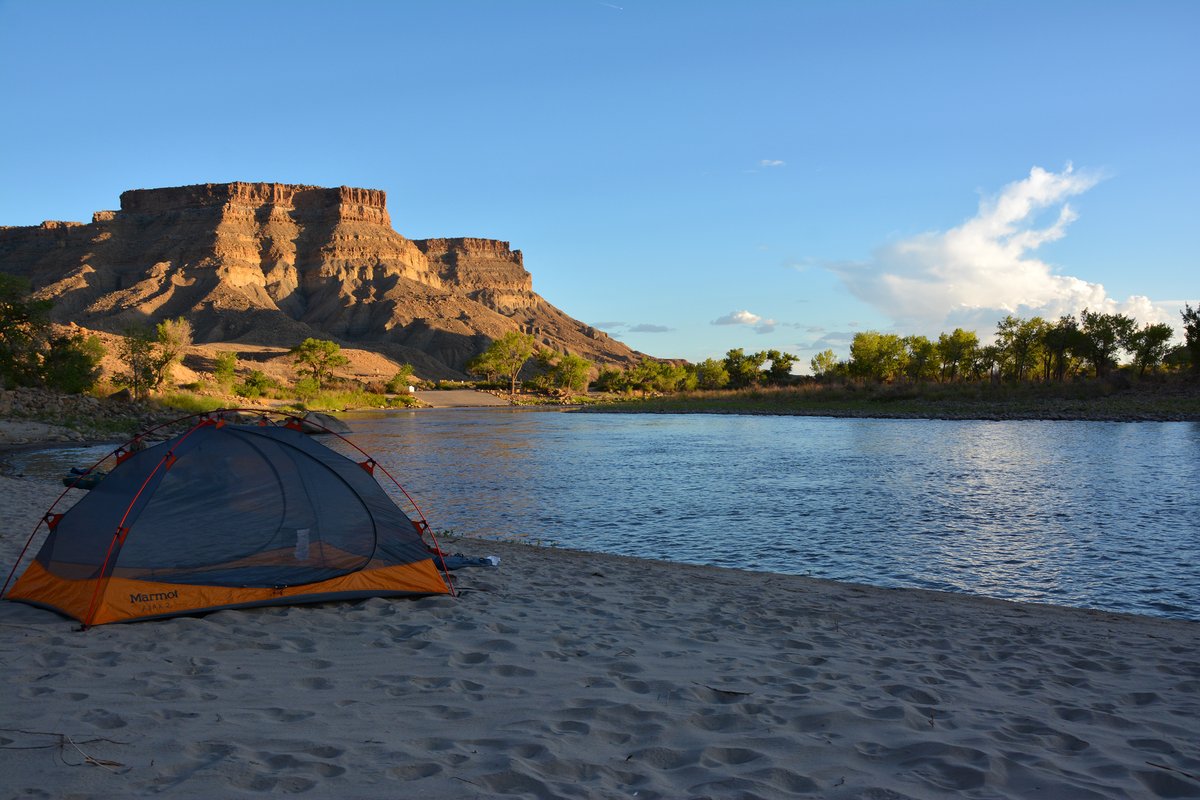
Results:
122 530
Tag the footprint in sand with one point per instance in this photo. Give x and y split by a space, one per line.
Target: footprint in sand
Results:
103 719
469 659
414 772
513 671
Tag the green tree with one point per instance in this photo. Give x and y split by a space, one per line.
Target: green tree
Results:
1178 358
986 362
1101 337
642 376
669 377
484 366
572 371
72 363
1149 345
138 353
1191 334
399 383
824 364
564 372
1059 341
922 361
711 374
744 370
877 356
505 356
780 371
24 326
1019 343
610 380
173 337
957 352
688 379
318 357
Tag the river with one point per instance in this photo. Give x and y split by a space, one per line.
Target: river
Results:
1090 514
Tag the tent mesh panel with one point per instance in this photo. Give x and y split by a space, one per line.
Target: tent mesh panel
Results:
238 506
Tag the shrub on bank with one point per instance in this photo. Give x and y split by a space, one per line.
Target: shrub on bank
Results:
189 402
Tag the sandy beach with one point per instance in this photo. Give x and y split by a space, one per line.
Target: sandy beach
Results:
567 674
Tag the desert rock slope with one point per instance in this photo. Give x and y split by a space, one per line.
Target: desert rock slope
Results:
270 264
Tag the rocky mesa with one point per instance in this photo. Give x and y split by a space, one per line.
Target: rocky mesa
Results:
270 264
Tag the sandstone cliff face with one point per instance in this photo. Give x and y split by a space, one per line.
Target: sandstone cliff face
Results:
485 270
270 264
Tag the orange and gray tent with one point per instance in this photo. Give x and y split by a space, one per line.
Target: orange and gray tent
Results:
228 516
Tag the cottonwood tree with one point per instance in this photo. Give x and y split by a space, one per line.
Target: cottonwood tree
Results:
671 377
318 358
571 372
644 377
72 363
922 358
877 356
1058 342
1149 345
30 355
173 337
957 351
711 374
137 352
780 371
824 364
1101 337
564 372
1019 342
505 356
744 370
610 380
986 362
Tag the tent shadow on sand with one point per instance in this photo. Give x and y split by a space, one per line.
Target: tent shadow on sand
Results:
229 515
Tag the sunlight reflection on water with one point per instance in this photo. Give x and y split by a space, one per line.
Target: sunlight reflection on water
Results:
1075 513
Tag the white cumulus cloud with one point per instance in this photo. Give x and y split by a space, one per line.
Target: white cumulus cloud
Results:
974 274
747 318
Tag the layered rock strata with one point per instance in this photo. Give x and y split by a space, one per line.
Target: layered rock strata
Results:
271 264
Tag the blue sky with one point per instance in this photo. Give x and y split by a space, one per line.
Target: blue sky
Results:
690 176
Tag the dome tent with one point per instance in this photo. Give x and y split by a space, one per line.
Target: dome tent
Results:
228 515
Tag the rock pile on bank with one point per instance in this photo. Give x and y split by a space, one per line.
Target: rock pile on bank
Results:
30 416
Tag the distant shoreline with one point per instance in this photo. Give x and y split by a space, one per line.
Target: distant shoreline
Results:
1168 401
967 416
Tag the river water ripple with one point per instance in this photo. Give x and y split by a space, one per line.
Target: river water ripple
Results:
1088 514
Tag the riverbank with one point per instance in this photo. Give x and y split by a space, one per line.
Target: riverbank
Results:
569 674
1176 399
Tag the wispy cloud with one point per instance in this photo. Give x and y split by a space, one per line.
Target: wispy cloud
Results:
647 327
771 162
981 270
749 319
